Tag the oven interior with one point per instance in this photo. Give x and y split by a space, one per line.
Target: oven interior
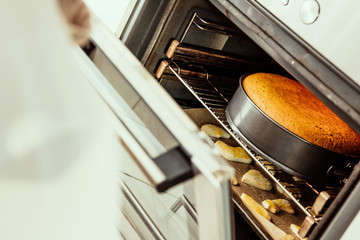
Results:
198 56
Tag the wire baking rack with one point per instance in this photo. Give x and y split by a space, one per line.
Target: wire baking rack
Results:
214 94
213 85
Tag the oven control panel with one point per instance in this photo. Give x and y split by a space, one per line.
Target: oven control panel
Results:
329 26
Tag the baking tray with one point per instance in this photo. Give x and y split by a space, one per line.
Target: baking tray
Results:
281 219
280 146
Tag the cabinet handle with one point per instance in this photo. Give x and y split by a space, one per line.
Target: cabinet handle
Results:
183 201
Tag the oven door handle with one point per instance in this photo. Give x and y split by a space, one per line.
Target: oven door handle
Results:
164 171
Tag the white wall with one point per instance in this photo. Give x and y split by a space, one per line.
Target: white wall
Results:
113 13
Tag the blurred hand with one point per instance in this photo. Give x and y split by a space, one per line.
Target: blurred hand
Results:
78 18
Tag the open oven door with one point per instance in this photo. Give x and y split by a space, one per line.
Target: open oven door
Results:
167 162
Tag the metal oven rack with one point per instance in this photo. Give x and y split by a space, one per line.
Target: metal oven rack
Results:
214 96
214 89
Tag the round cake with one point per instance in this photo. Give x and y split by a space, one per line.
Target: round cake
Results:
292 106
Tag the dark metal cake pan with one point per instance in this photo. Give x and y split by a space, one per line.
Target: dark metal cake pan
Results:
280 146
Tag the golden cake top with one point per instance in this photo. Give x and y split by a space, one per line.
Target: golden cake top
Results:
294 107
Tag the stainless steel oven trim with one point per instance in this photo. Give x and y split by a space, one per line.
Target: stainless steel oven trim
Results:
158 30
151 31
131 22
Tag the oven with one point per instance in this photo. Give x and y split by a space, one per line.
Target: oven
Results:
194 53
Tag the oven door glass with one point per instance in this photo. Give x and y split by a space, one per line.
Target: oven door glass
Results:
162 148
